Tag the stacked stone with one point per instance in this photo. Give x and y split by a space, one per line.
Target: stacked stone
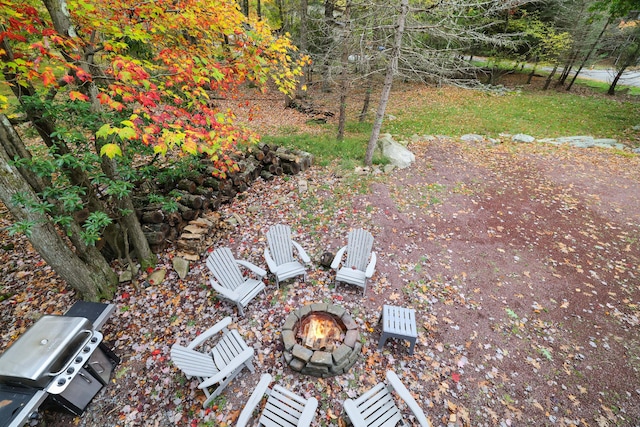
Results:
319 363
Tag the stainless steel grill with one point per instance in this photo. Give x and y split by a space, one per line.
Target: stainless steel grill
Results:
60 359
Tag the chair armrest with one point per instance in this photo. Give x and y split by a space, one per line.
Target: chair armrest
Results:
227 293
354 414
254 400
257 270
270 262
210 332
308 413
338 258
404 394
302 252
372 265
234 364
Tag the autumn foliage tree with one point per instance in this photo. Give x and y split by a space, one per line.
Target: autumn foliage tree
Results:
110 87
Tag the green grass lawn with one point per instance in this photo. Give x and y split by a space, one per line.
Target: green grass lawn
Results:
454 112
540 114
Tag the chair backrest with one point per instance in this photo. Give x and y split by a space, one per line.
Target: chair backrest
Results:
192 362
228 348
359 245
279 241
378 408
283 407
224 268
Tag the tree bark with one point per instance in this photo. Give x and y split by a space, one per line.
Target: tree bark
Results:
630 61
62 23
591 50
129 219
367 100
549 77
392 67
91 282
344 64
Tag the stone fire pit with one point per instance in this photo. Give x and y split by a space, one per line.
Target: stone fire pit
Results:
324 362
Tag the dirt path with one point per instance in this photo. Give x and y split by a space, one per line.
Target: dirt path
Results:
521 261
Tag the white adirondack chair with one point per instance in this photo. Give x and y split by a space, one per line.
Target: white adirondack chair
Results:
360 262
377 407
217 367
229 281
280 255
283 408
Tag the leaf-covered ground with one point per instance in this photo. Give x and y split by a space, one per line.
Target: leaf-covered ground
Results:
521 261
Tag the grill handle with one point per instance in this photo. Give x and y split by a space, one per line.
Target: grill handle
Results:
89 333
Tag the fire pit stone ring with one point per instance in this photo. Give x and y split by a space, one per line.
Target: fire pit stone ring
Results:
317 357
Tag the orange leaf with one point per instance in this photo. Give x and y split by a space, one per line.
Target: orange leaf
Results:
78 96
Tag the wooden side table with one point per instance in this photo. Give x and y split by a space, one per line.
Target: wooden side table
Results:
398 322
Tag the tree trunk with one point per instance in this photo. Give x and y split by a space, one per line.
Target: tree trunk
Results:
566 70
630 61
549 77
344 64
63 25
91 282
591 50
367 100
129 219
304 45
533 71
392 66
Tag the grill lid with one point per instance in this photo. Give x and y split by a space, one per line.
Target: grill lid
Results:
44 349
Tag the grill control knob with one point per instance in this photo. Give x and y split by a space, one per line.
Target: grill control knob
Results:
70 371
61 381
94 340
86 349
78 359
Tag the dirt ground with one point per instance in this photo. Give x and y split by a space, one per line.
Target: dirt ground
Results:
521 261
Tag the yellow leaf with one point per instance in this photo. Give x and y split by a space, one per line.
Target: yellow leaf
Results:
110 150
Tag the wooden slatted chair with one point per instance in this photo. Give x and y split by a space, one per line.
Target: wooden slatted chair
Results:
360 262
229 281
280 254
215 368
283 408
377 408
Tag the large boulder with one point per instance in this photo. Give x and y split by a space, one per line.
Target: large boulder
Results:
397 154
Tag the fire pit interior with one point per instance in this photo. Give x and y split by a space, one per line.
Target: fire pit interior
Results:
320 331
321 340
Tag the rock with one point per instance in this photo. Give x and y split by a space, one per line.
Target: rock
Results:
303 186
125 276
157 277
585 141
472 137
521 137
181 266
398 155
636 150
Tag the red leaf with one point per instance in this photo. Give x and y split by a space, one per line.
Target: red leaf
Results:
455 377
